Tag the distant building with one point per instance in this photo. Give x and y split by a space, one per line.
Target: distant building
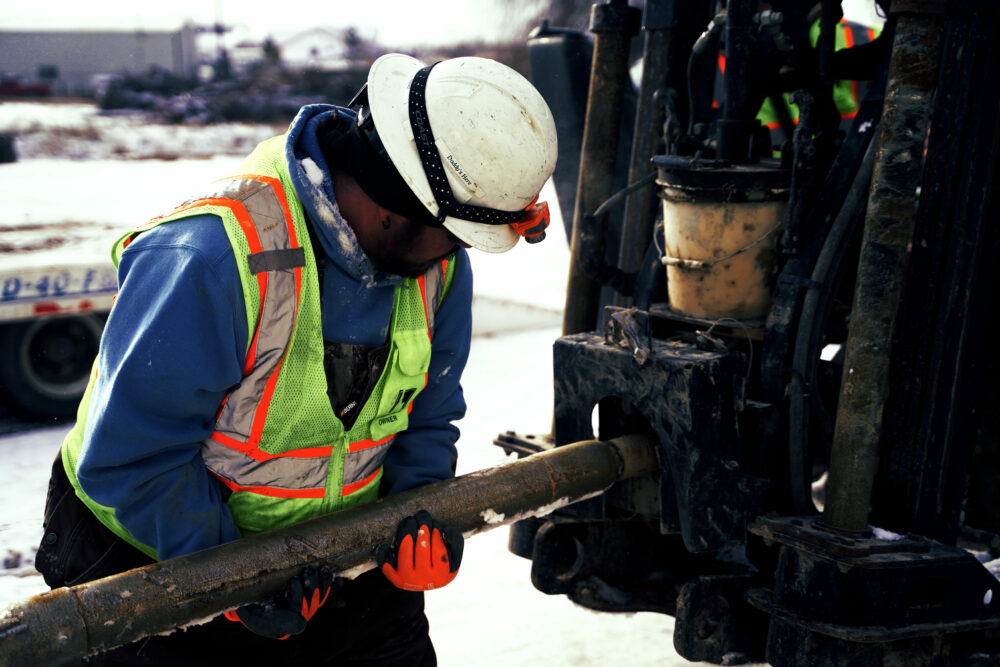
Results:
79 59
318 48
245 54
328 49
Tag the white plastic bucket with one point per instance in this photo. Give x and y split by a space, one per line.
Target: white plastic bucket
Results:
720 227
720 256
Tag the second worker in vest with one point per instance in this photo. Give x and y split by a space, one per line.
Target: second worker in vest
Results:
289 343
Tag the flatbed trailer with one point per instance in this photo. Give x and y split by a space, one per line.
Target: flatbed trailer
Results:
57 284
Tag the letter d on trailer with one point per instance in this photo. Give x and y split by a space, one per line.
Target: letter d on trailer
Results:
51 318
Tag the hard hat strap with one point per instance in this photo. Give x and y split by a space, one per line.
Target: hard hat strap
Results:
448 206
348 146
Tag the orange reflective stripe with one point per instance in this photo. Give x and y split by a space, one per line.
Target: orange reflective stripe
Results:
303 453
423 297
253 240
233 451
274 183
232 443
271 491
848 43
368 443
293 239
362 463
250 450
848 34
357 486
260 414
240 194
279 191
251 351
238 210
152 222
427 317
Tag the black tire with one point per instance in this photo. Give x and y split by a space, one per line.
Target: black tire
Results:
45 363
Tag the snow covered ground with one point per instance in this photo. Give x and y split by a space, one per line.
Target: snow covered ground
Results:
491 615
77 131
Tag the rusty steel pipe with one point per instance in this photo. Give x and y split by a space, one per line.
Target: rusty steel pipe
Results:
70 623
614 24
889 225
640 207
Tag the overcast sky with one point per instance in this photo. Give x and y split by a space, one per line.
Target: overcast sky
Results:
391 22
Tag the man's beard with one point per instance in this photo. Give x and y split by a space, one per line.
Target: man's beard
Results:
396 262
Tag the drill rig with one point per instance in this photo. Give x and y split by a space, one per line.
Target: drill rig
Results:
797 316
773 394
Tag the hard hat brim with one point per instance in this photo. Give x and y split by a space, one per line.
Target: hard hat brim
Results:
488 238
388 98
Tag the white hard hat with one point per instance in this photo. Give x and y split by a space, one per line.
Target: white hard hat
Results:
494 135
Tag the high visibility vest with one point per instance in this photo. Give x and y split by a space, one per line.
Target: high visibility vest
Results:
278 446
846 94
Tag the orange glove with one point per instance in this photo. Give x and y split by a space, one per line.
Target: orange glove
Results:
286 614
424 555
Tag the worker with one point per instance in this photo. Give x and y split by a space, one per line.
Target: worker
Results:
777 112
289 343
847 94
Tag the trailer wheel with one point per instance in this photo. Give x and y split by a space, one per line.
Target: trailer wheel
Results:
45 364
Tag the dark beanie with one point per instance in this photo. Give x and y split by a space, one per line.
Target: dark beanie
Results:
346 147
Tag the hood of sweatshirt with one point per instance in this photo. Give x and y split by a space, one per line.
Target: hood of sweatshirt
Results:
310 174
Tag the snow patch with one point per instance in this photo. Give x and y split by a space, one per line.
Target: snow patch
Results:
493 519
313 172
886 535
197 621
491 516
83 132
357 570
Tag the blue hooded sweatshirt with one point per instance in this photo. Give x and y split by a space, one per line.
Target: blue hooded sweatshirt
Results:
175 343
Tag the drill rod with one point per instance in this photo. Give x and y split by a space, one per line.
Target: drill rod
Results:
89 618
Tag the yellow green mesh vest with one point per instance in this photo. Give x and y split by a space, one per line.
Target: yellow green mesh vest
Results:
278 445
845 94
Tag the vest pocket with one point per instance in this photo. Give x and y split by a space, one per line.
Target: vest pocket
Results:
389 424
413 351
408 364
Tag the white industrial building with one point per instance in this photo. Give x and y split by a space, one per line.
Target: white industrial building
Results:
82 57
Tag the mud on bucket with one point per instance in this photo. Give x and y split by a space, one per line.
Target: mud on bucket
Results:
720 223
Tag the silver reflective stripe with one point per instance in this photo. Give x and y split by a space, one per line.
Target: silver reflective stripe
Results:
433 286
277 473
278 307
359 465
